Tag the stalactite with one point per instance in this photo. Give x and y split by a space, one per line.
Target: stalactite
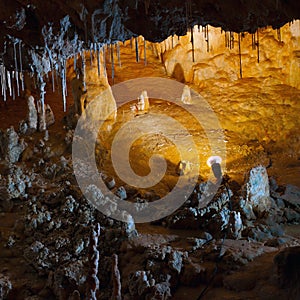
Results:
52 76
83 69
231 40
207 37
75 60
112 64
118 54
240 56
21 66
172 41
279 34
64 84
9 83
253 41
104 61
98 59
192 41
3 81
57 82
13 86
145 51
257 45
108 53
41 103
91 54
16 68
137 50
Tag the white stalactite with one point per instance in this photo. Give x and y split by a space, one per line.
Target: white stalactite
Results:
98 59
3 81
16 68
9 83
13 86
83 69
21 66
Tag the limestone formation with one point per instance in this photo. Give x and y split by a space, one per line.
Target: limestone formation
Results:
32 117
186 97
116 279
11 146
257 190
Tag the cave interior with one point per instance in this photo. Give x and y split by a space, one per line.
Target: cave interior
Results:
149 149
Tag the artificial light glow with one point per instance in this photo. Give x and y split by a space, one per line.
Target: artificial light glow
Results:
213 160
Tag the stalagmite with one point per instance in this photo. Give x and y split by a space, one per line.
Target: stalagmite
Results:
92 278
145 100
137 50
21 66
186 96
240 56
116 279
16 68
32 117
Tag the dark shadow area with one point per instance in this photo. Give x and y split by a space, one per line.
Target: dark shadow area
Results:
178 73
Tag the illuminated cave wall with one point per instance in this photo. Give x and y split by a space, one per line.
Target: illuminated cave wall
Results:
278 52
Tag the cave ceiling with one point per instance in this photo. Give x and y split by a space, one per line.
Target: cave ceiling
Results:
95 22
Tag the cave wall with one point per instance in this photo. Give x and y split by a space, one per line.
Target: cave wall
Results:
278 52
